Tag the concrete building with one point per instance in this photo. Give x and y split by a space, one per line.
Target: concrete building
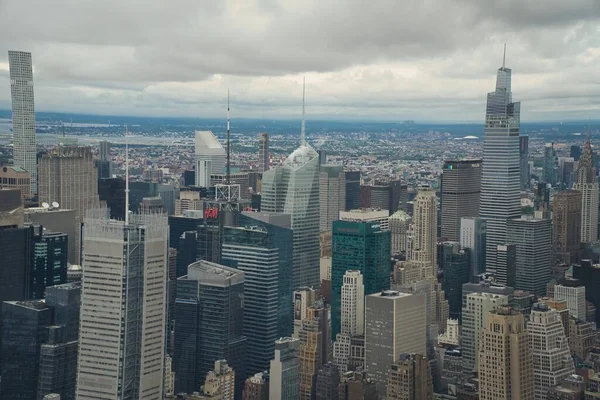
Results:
587 185
210 157
355 385
125 268
352 190
424 241
188 200
575 297
57 220
328 382
399 223
16 178
263 152
460 193
11 208
548 344
23 114
395 323
505 358
332 189
256 387
472 237
410 378
315 347
524 161
368 215
284 381
566 228
303 299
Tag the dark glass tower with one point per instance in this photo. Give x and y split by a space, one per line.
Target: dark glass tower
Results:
361 246
51 251
352 190
456 268
500 179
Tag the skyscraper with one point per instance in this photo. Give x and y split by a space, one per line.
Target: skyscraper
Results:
285 370
588 186
399 225
328 382
315 347
548 344
352 190
524 161
332 188
454 261
566 227
505 361
210 157
550 171
500 174
395 323
49 267
575 298
263 152
67 175
533 240
125 266
410 378
460 193
473 237
363 247
424 240
23 114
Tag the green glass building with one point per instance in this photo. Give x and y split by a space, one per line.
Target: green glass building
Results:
361 246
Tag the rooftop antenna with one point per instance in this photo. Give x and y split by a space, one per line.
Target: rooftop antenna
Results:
126 177
504 57
228 172
303 129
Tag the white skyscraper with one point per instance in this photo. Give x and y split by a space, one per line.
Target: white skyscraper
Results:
575 297
590 194
332 187
23 114
123 303
548 344
210 157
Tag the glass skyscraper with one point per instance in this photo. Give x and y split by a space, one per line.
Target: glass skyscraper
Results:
500 180
360 246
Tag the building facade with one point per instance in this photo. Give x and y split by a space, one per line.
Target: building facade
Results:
566 227
210 157
424 240
263 152
399 225
284 381
587 185
410 378
332 188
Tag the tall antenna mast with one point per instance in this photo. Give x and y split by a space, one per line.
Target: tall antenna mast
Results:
126 177
504 57
228 173
303 130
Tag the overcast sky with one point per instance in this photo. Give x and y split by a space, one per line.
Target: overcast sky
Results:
426 60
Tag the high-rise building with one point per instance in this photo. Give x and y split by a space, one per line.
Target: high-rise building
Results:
377 216
548 344
256 387
587 184
395 323
460 193
474 315
303 299
399 225
322 156
16 177
424 240
328 382
500 174
263 152
566 228
505 360
363 247
293 188
67 176
315 347
454 262
188 200
125 266
533 240
473 237
112 191
253 250
57 220
575 297
49 267
104 150
550 171
209 324
524 161
506 265
352 190
23 114
11 208
332 188
284 373
589 276
575 152
410 378
210 157
355 385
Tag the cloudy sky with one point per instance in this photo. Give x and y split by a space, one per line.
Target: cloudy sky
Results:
426 60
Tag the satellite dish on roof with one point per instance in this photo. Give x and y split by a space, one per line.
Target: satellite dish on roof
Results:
45 205
55 204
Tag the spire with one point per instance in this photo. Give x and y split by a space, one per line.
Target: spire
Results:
228 172
504 57
126 177
303 130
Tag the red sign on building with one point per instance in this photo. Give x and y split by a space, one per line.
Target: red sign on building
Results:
211 213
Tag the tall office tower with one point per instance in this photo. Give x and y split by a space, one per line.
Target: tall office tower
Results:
506 261
505 361
315 347
410 378
424 241
49 267
16 178
56 220
461 185
112 191
454 261
588 186
168 193
254 251
188 200
524 161
284 373
104 150
575 152
355 385
352 190
550 170
352 318
375 216
67 176
328 382
209 324
363 247
263 152
125 265
256 387
589 276
474 315
23 332
322 157
210 157
395 323
575 297
293 188
500 174
533 239
566 230
548 344
303 299
380 196
399 224
332 188
23 114
473 237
